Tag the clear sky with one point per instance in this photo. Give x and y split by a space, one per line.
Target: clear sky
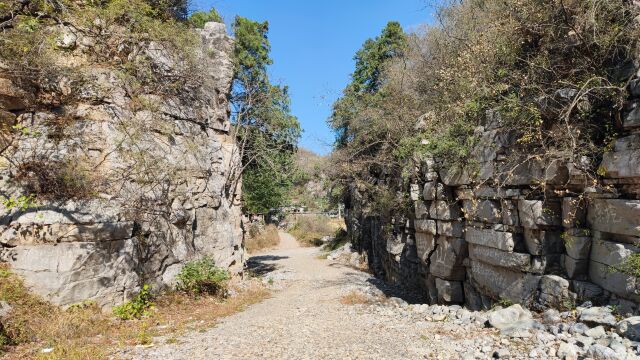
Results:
312 45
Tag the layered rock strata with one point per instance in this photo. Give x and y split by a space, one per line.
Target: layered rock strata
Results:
157 166
537 233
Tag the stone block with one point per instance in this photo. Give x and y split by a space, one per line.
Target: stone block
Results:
445 210
455 177
449 291
621 164
488 211
554 291
56 233
575 268
574 212
516 261
504 284
510 212
472 299
69 273
422 209
611 253
556 172
425 244
537 213
499 240
430 287
623 285
446 261
543 242
632 119
414 192
631 142
463 194
426 225
444 192
586 290
616 216
450 228
490 192
429 191
526 173
578 247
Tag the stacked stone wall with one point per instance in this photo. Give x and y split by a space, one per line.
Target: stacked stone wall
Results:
537 233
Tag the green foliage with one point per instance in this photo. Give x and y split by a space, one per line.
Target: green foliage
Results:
251 51
22 202
266 130
372 57
202 277
550 75
630 266
198 18
137 307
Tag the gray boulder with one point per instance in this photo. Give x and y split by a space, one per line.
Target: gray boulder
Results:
597 316
512 320
5 309
551 316
567 351
629 328
600 352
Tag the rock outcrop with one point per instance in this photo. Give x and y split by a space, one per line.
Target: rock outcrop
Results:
134 184
537 233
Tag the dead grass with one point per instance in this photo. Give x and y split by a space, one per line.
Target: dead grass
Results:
310 229
263 239
355 298
85 332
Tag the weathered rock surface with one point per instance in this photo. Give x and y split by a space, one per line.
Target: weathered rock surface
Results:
539 230
161 174
597 316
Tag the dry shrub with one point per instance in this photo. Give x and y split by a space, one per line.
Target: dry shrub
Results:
261 239
310 229
551 74
56 180
355 298
84 332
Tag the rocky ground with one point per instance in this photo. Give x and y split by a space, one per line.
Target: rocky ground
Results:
322 309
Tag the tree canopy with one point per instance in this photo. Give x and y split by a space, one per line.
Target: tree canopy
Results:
266 130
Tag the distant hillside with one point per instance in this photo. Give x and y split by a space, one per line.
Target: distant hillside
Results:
310 185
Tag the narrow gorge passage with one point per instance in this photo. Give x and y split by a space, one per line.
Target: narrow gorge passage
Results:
306 320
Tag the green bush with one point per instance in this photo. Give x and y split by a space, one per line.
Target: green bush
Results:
137 307
199 18
202 277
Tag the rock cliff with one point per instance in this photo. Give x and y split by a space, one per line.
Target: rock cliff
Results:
537 233
128 185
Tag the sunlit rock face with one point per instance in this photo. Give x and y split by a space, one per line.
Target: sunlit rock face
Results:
534 232
147 170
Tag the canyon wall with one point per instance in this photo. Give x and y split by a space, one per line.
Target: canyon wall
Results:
539 233
128 185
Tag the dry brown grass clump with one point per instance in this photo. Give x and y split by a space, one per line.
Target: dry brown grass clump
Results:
85 332
355 298
261 239
310 229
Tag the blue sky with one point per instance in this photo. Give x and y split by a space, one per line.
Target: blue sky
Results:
312 45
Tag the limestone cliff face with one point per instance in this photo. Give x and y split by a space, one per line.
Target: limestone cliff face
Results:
130 185
539 233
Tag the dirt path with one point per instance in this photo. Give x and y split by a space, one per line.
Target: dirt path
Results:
306 320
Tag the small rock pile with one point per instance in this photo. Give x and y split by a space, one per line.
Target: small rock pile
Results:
347 256
587 333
